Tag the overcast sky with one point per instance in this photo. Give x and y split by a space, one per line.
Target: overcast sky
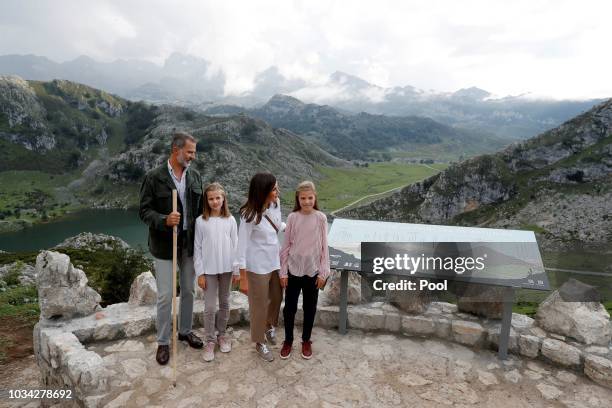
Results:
551 48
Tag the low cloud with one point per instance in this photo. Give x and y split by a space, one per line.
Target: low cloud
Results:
552 48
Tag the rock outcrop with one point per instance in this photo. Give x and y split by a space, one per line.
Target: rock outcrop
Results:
558 182
143 290
24 115
26 273
586 322
412 301
93 242
481 300
599 369
62 288
332 288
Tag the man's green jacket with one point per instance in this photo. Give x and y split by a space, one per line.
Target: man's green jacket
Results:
156 204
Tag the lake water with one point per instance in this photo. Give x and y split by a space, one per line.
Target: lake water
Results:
120 223
127 226
124 224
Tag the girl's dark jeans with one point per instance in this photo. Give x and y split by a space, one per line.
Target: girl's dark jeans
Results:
310 295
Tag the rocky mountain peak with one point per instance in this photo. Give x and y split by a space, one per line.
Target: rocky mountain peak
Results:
473 94
22 116
283 104
349 80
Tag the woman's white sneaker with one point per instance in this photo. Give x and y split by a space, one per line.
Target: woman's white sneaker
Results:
264 352
271 336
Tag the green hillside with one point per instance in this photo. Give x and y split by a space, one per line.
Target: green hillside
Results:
558 184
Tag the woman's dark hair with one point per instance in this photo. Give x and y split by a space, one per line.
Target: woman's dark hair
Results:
260 187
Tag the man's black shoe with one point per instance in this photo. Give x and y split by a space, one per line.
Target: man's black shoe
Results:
163 354
193 340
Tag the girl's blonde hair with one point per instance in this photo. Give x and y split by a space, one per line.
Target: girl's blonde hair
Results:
304 186
225 212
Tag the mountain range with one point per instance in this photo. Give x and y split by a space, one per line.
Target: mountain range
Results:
102 145
98 146
192 81
365 136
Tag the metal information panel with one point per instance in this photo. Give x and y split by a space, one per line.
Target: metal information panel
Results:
512 257
512 264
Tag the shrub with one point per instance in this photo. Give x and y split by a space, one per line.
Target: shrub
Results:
12 277
140 117
110 272
248 129
132 172
159 147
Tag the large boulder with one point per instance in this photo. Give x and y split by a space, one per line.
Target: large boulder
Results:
586 322
332 288
561 353
480 300
599 369
409 301
143 290
468 333
62 288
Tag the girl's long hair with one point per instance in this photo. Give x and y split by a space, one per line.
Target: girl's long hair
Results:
305 186
207 211
260 187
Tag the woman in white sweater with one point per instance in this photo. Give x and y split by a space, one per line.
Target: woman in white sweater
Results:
216 265
259 259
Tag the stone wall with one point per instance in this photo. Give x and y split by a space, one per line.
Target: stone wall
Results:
65 363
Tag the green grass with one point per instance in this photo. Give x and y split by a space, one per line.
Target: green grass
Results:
18 308
608 306
342 186
24 190
445 151
5 343
530 308
579 258
526 308
20 301
25 257
533 227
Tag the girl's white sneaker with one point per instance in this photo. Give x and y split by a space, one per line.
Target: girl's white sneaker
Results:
225 344
209 351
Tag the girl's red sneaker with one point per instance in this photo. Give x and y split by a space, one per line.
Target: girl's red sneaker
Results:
307 349
285 351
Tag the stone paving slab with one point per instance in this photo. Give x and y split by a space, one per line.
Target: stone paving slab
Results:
105 352
359 369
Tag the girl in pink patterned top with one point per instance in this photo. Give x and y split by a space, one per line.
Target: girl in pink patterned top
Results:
304 264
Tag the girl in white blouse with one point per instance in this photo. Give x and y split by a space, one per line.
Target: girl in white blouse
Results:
216 265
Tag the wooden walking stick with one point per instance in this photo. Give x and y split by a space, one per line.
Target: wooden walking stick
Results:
174 246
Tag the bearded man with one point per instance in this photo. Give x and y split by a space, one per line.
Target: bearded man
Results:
156 212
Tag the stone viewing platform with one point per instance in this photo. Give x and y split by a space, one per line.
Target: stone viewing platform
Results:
440 356
360 368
